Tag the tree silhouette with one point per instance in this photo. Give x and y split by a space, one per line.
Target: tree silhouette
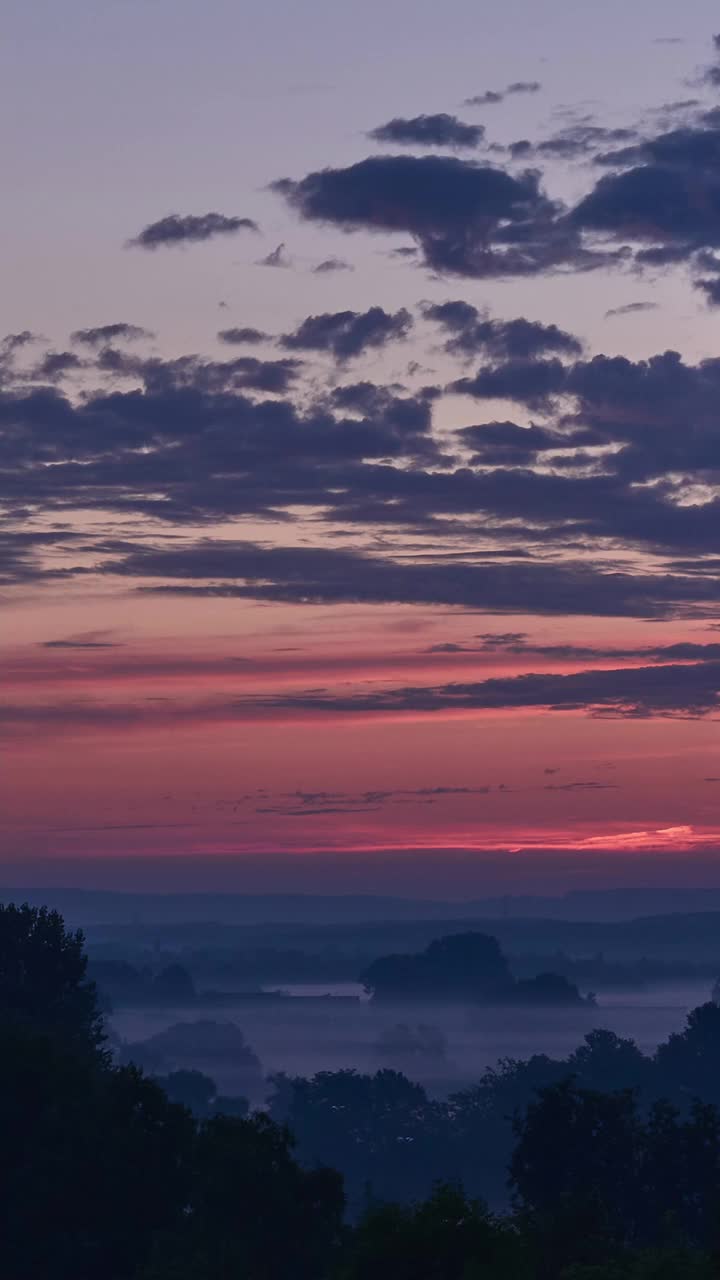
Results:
689 1062
463 966
252 1211
448 1237
43 983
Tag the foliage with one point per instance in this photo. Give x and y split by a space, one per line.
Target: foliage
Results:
251 1210
464 967
102 1173
43 982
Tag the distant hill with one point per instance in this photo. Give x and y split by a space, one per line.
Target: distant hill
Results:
86 907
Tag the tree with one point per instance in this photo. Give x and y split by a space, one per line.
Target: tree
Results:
447 1237
481 1119
381 1131
689 1062
192 1089
93 1161
606 1061
43 982
463 966
575 1173
252 1211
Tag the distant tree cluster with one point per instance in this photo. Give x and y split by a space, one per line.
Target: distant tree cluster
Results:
464 967
384 1130
104 1173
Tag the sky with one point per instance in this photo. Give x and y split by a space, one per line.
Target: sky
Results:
359 445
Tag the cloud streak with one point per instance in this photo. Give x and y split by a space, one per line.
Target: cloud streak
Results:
178 229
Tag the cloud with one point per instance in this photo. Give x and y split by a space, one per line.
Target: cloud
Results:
633 693
489 97
240 337
104 334
535 383
16 341
214 377
631 308
429 131
55 365
473 333
330 265
87 641
666 691
505 444
468 219
575 141
663 194
323 575
624 460
176 229
711 289
348 333
278 257
581 786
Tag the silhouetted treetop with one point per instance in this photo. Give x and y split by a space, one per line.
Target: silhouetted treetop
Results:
43 980
463 967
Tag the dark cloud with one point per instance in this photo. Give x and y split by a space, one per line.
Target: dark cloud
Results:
575 141
711 288
330 265
278 257
625 459
685 691
468 219
322 575
213 377
55 365
581 786
243 337
429 131
178 229
664 193
104 334
281 812
80 643
631 308
633 693
16 341
490 97
519 645
315 803
348 333
524 86
472 333
532 382
505 444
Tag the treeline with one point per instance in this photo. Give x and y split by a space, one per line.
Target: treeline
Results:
128 979
384 1130
101 1174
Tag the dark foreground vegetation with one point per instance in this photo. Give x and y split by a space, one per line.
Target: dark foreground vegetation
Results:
614 1173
